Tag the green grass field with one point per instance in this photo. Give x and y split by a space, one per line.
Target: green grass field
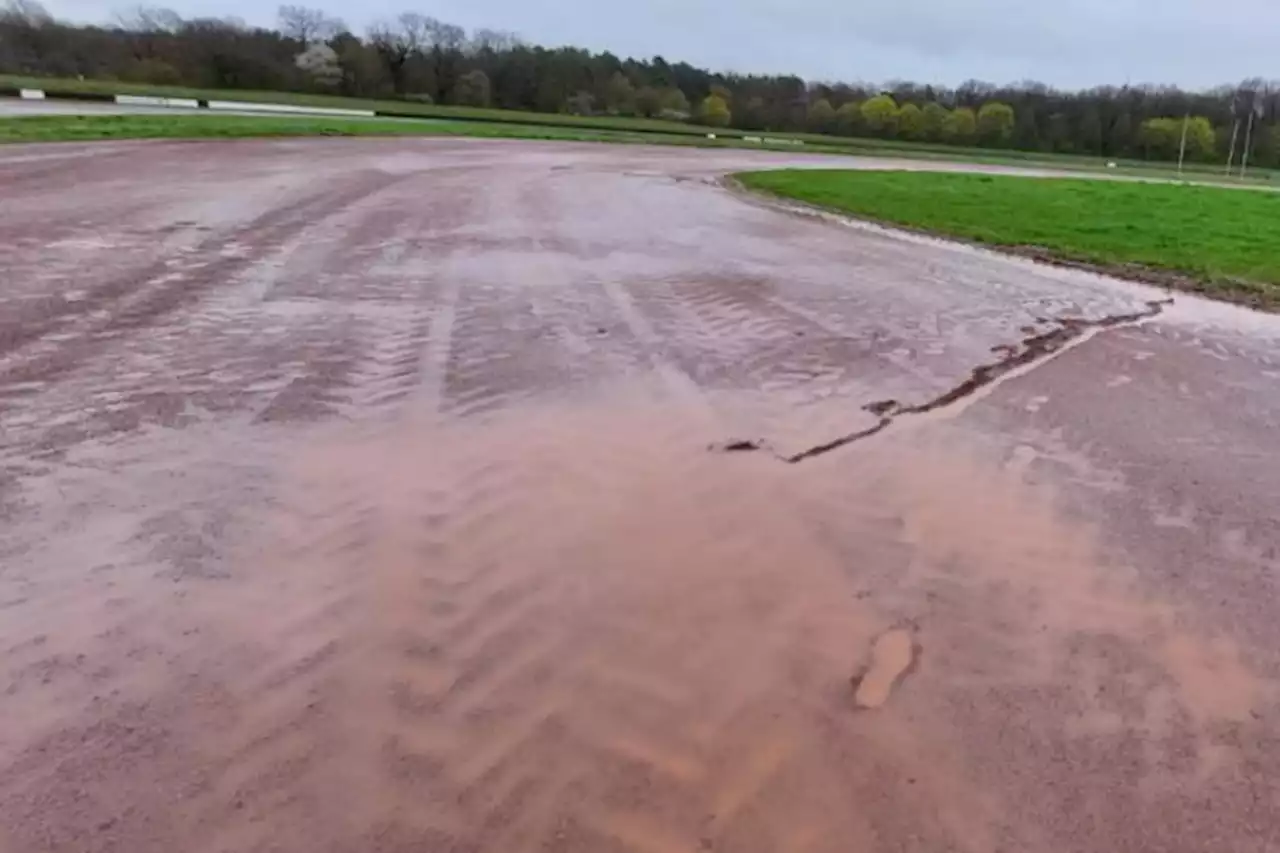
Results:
72 128
1219 241
83 128
662 130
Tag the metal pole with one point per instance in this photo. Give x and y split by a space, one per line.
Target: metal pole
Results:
1231 152
1244 155
1182 147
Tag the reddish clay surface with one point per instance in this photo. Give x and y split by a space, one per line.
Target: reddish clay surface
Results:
357 496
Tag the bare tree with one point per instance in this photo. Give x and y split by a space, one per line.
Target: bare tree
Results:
407 34
445 37
150 29
396 41
148 19
447 42
414 35
307 25
494 41
28 12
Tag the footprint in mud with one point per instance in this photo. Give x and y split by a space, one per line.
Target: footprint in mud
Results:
893 655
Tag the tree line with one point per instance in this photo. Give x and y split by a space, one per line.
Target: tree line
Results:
419 58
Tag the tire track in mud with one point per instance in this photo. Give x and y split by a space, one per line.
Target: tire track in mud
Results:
454 647
127 307
489 684
120 308
768 368
329 320
545 633
502 352
497 596
389 641
559 333
394 278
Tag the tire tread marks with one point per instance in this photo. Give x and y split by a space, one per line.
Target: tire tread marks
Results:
456 665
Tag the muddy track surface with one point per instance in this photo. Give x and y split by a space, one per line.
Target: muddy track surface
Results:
356 496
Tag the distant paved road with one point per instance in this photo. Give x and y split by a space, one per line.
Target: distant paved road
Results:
379 495
10 107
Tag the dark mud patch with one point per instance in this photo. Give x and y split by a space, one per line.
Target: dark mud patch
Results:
738 445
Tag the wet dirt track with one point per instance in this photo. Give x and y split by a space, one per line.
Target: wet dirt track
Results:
376 496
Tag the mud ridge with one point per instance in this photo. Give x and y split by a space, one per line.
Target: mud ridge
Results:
1033 349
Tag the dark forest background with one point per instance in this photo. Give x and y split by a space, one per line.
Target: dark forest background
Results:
416 57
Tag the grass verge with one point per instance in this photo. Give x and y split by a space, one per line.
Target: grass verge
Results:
1220 242
405 107
72 128
61 128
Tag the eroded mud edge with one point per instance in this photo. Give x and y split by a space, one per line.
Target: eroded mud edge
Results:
1032 351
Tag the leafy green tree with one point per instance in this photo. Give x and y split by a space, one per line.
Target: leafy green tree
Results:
961 126
934 119
673 101
1200 139
995 123
849 119
648 102
822 116
911 122
1161 138
620 95
714 112
880 115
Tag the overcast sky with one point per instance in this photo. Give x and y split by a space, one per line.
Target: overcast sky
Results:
1068 43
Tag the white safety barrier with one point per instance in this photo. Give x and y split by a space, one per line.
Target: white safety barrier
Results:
772 140
150 101
31 94
254 106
